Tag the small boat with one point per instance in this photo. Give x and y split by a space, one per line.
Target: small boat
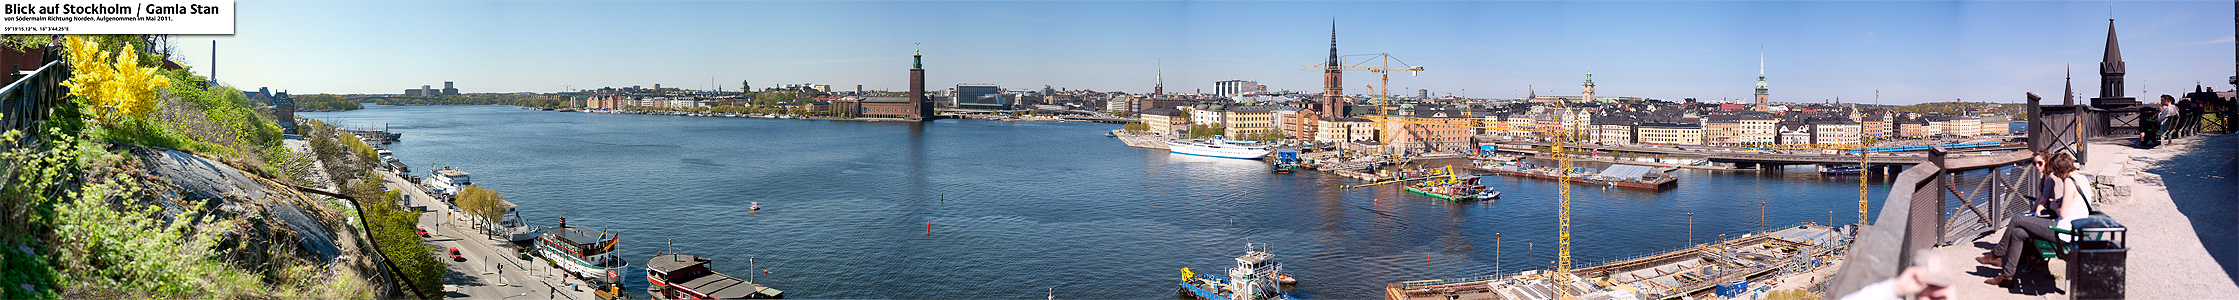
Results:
1255 277
1217 147
1466 189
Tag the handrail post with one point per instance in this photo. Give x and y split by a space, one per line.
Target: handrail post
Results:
1924 228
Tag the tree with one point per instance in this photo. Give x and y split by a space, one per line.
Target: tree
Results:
489 205
1136 127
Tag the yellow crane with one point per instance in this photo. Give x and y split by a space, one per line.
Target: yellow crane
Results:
1383 69
1864 146
1562 139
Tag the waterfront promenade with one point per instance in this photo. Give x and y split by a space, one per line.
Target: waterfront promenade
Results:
2180 214
491 270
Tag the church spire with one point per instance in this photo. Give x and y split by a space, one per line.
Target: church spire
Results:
2068 96
1332 42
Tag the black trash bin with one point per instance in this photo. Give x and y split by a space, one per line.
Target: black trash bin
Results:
2096 270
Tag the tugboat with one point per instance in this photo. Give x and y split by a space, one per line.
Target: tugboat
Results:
1254 277
1286 161
587 253
686 276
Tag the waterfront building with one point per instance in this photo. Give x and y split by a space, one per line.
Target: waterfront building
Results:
1207 114
1961 126
1613 129
448 89
981 96
1911 127
1302 124
920 108
1757 128
1120 104
1164 121
1792 132
1340 130
1280 119
1670 133
283 110
1449 134
1249 121
1875 124
1834 131
1994 125
1722 129
887 107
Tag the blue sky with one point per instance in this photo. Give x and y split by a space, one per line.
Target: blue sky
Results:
1813 51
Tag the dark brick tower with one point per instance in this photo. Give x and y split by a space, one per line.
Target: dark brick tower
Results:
1333 81
921 108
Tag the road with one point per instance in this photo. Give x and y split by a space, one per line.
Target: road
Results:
490 271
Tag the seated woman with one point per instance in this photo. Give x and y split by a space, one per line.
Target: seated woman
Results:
2056 203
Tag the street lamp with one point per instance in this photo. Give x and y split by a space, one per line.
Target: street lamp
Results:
1690 229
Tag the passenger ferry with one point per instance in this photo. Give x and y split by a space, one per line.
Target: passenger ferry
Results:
1255 277
1217 147
587 253
446 181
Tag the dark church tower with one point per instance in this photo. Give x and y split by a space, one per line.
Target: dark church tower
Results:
1333 85
2110 75
921 108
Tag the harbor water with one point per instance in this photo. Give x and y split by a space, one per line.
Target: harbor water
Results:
992 209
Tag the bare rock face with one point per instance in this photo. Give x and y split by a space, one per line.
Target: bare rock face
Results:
274 212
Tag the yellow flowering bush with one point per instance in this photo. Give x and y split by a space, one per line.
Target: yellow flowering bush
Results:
114 83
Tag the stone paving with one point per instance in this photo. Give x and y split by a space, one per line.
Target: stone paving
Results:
2175 242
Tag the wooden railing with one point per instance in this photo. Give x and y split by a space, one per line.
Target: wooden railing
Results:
1918 215
26 103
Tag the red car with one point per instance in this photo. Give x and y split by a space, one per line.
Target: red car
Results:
455 255
423 231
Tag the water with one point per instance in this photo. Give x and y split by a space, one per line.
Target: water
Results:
1018 208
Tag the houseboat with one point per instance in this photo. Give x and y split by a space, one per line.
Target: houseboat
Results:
587 253
686 276
1217 147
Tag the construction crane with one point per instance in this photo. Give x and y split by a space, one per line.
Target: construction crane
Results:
1562 139
1863 147
1383 69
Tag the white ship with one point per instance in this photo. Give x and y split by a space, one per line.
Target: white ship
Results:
1217 147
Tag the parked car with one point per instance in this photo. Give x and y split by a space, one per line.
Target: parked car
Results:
423 231
455 255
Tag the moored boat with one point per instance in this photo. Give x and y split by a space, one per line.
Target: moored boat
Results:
1217 147
1466 189
587 253
1255 277
446 181
685 276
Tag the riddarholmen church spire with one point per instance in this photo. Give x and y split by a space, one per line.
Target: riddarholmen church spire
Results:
1333 82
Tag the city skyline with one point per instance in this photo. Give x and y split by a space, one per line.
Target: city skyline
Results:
1912 52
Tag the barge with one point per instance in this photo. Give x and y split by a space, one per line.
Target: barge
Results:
1625 176
1255 277
685 276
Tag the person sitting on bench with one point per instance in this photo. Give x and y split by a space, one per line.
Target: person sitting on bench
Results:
2057 203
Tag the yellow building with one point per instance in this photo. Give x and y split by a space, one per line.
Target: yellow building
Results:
1670 134
1249 121
1165 121
1432 130
1344 130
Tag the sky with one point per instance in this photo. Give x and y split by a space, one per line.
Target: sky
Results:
1910 51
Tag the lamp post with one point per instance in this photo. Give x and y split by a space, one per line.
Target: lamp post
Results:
1496 253
1690 229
